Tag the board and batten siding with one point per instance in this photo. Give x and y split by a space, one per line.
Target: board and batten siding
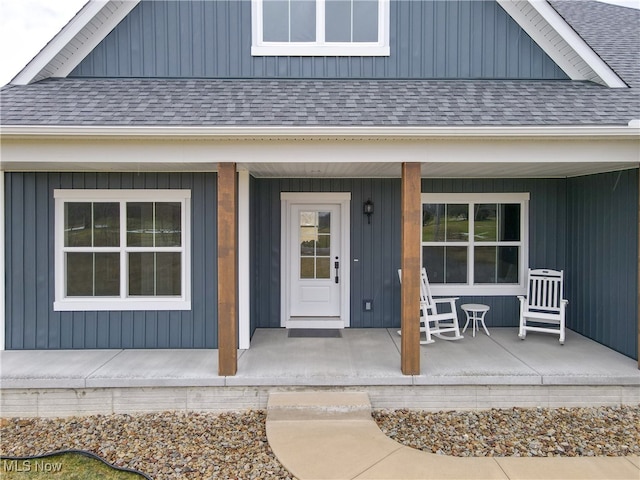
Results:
29 263
602 281
212 39
377 246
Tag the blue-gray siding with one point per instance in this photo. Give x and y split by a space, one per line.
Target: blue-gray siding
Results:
31 322
212 39
587 226
602 275
377 246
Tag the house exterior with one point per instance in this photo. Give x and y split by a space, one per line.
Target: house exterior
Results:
177 174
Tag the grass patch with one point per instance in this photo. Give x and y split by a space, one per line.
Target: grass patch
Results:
68 466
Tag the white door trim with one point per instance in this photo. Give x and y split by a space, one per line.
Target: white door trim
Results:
339 198
244 267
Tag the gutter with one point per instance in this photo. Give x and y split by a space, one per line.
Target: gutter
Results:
331 132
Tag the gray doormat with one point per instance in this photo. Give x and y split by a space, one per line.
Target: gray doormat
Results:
314 333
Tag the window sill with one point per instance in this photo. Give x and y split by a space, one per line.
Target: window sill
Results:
342 50
115 305
477 290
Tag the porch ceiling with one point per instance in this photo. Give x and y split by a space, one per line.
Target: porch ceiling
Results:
433 169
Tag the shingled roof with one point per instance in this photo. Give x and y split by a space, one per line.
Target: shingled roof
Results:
268 102
612 32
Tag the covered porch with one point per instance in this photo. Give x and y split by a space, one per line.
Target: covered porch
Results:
497 371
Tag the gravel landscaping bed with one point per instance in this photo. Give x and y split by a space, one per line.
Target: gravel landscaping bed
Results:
234 445
163 445
536 432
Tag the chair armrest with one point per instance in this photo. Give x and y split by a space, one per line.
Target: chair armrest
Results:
445 300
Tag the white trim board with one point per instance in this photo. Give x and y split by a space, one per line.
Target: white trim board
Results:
561 42
76 40
632 129
3 291
244 267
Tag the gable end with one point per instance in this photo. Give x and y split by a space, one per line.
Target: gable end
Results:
76 40
570 52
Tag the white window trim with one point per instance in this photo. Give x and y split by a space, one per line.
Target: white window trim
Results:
502 289
320 48
123 302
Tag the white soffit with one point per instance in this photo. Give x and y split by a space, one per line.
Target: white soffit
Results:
76 40
561 42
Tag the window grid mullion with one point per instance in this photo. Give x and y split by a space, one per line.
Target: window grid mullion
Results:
153 236
351 33
124 264
321 22
289 17
93 254
471 248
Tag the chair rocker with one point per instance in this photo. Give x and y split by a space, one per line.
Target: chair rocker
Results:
543 304
433 322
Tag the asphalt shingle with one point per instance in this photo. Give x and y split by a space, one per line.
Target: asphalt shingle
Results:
612 31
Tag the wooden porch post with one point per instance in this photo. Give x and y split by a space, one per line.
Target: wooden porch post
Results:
410 264
227 270
638 299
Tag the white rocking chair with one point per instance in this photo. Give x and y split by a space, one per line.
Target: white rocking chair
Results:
543 304
432 322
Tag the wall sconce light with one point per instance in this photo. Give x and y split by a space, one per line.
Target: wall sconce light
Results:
367 209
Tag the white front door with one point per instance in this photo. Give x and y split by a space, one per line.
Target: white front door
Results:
315 274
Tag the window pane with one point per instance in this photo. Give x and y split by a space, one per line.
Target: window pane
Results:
168 224
107 274
77 224
485 217
324 245
140 224
275 15
79 274
307 267
168 267
141 273
338 21
308 219
302 20
508 260
433 261
323 267
509 222
433 222
485 264
308 237
324 222
365 20
455 265
106 224
307 248
457 223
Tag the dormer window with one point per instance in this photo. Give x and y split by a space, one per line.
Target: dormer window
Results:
320 27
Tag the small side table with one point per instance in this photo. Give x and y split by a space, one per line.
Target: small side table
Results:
475 313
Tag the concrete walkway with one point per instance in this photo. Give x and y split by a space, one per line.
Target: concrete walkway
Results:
331 435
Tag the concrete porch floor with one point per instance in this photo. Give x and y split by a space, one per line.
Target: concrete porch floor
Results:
481 372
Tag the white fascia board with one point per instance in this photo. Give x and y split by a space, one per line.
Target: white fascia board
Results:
601 72
42 65
302 133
